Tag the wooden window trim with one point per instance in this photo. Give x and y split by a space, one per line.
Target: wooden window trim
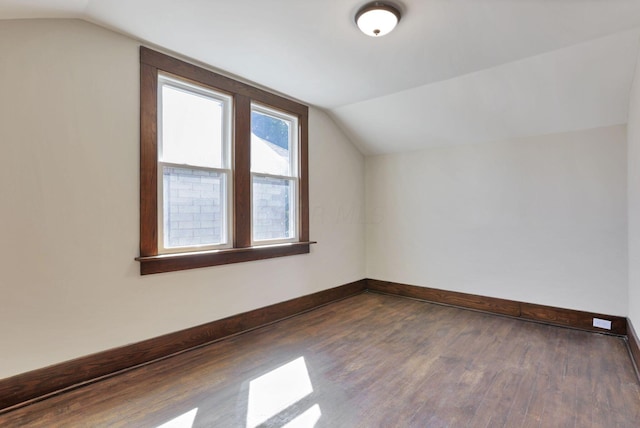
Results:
152 62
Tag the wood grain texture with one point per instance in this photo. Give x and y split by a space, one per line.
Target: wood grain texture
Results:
303 182
572 318
178 261
471 301
540 313
218 81
634 346
242 172
38 383
148 160
152 62
372 360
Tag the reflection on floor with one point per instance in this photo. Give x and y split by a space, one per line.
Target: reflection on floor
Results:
369 361
276 391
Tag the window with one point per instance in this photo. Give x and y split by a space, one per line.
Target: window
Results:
223 169
274 171
194 167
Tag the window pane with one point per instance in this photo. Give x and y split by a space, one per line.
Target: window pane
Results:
194 207
192 128
273 208
270 144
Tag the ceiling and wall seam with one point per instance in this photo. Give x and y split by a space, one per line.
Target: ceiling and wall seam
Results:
436 45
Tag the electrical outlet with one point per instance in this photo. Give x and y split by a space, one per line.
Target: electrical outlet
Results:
606 324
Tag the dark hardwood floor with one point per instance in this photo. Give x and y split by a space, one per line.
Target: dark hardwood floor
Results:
369 361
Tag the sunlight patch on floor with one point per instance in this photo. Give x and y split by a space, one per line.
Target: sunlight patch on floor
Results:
185 420
277 390
308 419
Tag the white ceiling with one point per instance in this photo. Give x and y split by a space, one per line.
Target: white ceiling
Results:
453 71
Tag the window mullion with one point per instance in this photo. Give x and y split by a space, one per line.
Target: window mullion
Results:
242 171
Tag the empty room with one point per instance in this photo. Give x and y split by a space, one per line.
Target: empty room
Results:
339 213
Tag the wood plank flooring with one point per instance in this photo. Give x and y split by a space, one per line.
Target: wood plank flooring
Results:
369 361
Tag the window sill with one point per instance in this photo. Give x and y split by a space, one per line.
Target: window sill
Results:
184 261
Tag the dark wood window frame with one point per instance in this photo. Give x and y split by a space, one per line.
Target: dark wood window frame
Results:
151 63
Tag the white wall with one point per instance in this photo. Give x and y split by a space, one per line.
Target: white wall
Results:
69 145
540 220
633 138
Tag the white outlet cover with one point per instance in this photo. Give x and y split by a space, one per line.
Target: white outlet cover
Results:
600 323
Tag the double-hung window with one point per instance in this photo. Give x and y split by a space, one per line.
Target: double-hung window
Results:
274 177
194 167
223 169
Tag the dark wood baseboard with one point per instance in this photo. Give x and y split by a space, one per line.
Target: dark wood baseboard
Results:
529 311
34 385
453 298
28 387
634 346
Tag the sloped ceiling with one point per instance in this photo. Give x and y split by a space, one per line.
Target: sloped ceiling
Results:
453 72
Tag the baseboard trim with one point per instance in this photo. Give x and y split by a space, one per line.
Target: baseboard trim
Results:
634 346
26 388
529 311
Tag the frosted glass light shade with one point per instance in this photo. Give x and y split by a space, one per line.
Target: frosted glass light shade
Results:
377 19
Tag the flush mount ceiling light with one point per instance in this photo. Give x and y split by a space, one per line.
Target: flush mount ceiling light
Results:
376 19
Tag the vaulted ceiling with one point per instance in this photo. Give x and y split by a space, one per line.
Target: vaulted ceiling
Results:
453 71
